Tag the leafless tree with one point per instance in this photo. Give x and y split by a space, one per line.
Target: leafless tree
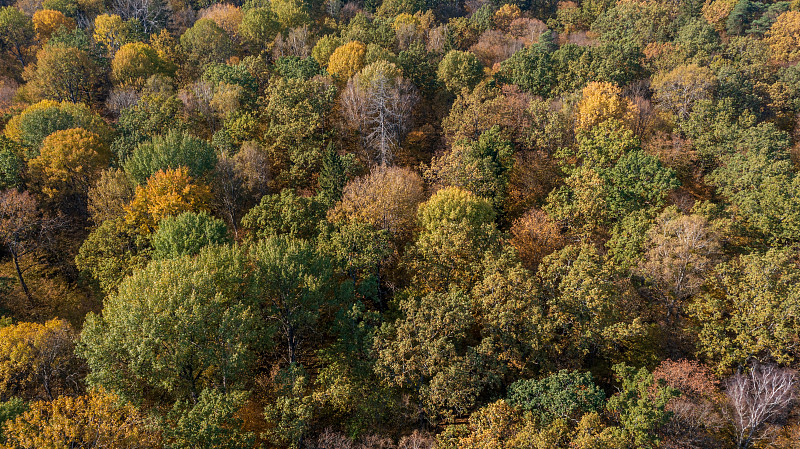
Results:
149 12
759 397
121 98
380 109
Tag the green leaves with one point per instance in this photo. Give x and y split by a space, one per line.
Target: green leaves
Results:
563 395
173 150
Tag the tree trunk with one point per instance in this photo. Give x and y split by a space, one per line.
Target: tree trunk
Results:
19 276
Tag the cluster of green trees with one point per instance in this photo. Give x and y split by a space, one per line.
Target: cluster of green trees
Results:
399 224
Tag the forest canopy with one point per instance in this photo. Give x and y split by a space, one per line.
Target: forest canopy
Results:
332 224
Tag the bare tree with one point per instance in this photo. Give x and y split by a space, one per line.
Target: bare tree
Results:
759 397
149 12
379 106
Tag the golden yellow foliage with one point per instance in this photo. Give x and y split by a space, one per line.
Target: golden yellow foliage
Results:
505 15
168 192
93 421
603 101
110 31
47 21
784 38
37 360
716 12
134 63
347 60
69 162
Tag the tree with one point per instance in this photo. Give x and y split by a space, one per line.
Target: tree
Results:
564 395
678 90
459 70
285 213
112 252
108 197
481 167
187 234
292 283
378 102
167 192
93 421
531 69
69 162
297 113
10 164
37 361
112 32
23 229
763 394
456 230
47 22
640 405
678 255
134 62
746 312
259 25
782 37
535 235
41 119
291 13
16 33
65 73
171 151
588 313
175 328
347 60
603 101
150 13
205 43
387 199
425 351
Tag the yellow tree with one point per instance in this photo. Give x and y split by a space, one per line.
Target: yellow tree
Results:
37 361
784 38
47 21
134 63
93 421
602 101
168 192
69 162
347 60
112 32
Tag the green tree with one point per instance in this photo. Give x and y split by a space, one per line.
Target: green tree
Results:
259 25
173 150
175 328
747 312
285 213
112 252
41 119
640 406
210 423
16 33
459 70
296 113
563 395
10 164
205 43
481 167
531 69
65 73
292 282
187 234
456 229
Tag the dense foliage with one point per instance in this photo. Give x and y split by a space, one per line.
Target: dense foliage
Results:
399 224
